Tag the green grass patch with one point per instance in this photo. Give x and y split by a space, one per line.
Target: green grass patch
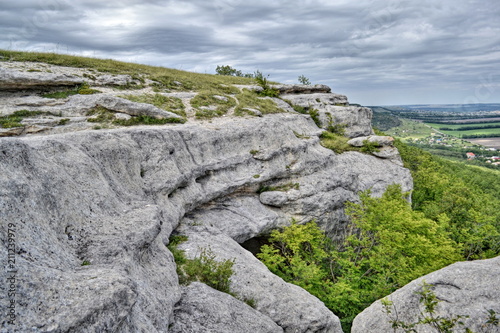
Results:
83 89
172 104
14 119
250 100
203 268
464 126
337 143
107 117
210 104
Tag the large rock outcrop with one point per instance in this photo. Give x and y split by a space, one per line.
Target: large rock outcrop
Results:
112 198
467 289
92 212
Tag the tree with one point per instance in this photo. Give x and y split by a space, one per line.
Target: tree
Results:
304 80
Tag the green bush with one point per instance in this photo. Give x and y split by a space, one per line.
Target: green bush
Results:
387 246
204 268
369 147
304 80
262 82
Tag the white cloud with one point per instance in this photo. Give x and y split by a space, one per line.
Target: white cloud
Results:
377 52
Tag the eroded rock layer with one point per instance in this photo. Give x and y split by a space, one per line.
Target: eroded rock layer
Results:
93 212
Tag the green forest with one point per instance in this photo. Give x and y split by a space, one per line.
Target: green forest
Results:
453 216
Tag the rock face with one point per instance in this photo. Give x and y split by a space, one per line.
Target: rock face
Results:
92 212
203 309
334 109
463 289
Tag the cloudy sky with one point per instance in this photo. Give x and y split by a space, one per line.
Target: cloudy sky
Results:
377 52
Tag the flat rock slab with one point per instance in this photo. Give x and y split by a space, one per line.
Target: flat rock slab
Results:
16 80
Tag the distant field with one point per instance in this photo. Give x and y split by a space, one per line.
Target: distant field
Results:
487 131
463 126
487 142
475 120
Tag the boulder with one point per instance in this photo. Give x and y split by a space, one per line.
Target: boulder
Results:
203 309
123 105
467 289
378 140
18 80
334 109
301 88
289 306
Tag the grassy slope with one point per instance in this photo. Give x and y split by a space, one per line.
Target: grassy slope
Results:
166 76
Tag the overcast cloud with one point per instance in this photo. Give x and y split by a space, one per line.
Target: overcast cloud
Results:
376 52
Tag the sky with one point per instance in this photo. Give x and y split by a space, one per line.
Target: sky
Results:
375 52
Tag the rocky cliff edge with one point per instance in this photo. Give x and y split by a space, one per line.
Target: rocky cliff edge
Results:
92 212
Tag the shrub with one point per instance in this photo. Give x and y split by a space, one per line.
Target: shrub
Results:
204 268
304 80
262 81
387 246
369 147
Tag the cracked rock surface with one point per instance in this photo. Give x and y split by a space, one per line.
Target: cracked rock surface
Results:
463 289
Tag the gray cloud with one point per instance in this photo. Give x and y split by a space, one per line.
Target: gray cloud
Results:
376 52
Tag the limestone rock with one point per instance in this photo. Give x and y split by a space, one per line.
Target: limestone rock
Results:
273 198
289 306
334 109
301 88
464 288
133 108
379 140
112 80
17 80
203 309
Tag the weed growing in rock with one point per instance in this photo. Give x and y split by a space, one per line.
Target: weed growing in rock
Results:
85 263
369 147
263 82
204 268
63 122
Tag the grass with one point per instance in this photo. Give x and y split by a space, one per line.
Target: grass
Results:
486 131
410 129
463 126
250 100
83 89
167 103
204 268
14 119
210 104
337 143
166 79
